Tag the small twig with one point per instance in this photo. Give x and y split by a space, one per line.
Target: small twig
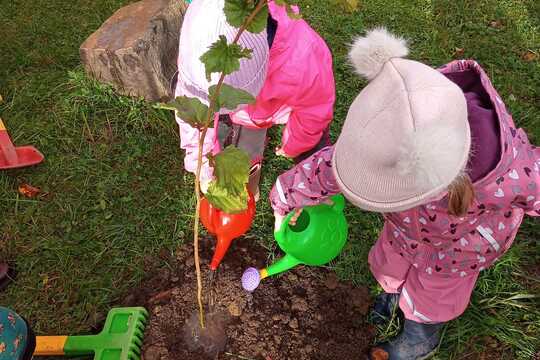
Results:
238 356
161 296
88 128
202 135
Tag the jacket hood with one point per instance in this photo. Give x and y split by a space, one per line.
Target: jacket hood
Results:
507 153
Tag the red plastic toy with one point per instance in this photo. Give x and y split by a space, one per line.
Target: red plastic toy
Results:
226 227
12 157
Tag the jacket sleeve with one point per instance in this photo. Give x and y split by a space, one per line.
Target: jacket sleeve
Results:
300 94
523 178
308 183
308 121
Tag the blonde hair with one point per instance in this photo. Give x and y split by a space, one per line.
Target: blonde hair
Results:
460 195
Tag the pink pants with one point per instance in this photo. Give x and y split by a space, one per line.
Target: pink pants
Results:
424 298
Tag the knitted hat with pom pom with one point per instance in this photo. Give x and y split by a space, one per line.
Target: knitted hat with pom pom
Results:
406 136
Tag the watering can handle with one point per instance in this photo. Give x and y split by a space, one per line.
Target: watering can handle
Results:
338 205
338 202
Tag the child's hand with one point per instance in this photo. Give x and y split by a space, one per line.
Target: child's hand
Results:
205 183
281 152
292 221
297 212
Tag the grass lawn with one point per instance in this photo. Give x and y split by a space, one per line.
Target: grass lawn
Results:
116 197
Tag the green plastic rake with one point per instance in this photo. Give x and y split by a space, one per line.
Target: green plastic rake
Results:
120 339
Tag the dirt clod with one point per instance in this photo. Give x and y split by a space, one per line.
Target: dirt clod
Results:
212 338
358 300
299 304
293 324
153 353
234 309
331 281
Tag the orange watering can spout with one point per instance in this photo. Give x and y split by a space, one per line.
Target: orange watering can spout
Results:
226 227
222 246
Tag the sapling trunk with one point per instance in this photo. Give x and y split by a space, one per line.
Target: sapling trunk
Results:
202 135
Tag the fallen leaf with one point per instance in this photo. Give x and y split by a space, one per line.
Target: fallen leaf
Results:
530 56
458 52
29 191
379 354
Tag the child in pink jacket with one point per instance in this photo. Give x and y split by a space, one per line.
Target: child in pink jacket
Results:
290 74
438 154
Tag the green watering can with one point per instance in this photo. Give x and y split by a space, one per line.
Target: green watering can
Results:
317 238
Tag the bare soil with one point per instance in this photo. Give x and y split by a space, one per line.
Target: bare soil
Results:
306 313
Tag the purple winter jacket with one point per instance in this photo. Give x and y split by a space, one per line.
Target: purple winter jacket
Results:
506 179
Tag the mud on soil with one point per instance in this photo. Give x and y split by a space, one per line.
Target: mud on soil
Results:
304 314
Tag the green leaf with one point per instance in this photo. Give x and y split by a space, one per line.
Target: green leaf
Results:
289 6
225 201
190 110
231 170
237 12
230 97
348 5
292 14
286 2
224 57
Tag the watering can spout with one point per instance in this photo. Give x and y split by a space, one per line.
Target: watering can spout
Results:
252 277
222 246
226 227
287 262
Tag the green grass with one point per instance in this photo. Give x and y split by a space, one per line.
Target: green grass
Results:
117 198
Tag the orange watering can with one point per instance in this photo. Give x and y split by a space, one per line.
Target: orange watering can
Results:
12 157
226 227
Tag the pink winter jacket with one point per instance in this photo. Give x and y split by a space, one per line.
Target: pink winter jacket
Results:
299 91
427 236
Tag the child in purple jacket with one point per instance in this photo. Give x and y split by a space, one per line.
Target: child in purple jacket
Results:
438 154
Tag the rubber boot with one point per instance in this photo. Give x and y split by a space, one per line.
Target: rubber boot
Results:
384 307
417 341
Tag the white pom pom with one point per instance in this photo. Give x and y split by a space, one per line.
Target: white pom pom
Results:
429 154
369 53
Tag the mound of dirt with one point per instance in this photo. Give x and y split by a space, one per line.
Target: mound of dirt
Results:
304 314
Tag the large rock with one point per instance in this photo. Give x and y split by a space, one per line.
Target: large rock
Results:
136 49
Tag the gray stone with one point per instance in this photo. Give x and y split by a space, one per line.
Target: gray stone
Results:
136 49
